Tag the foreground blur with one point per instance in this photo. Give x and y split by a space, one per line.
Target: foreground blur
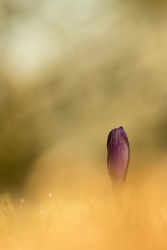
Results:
83 216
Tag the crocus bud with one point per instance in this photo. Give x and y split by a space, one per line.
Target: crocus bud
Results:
118 160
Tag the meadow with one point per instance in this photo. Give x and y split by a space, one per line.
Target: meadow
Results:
69 73
80 213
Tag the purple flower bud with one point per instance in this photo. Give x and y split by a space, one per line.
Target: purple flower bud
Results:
118 159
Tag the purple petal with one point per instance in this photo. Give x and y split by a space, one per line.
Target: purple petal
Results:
118 156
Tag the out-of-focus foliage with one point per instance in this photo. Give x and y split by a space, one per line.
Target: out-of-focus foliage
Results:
70 71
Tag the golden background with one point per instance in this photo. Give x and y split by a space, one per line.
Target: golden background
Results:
70 71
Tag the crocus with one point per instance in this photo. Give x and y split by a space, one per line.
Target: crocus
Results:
117 161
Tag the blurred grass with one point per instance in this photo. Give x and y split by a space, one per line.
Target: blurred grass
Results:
88 211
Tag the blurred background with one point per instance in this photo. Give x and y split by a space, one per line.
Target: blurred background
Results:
70 71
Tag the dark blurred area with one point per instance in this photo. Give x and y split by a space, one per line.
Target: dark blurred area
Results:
72 71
